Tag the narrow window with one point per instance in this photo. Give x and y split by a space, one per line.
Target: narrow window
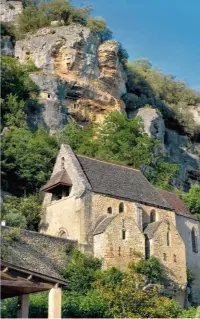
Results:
165 257
49 95
121 207
123 234
175 260
123 221
109 210
168 238
147 247
153 216
119 251
194 240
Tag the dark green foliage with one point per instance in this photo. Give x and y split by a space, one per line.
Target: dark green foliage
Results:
24 212
163 174
27 159
192 200
152 269
119 139
18 91
83 274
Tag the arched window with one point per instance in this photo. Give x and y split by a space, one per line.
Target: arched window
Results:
109 210
194 240
62 163
153 216
63 233
147 247
121 207
168 238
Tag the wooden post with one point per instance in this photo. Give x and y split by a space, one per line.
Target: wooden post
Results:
54 309
24 304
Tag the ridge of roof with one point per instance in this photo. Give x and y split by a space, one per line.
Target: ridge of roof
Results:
101 227
152 228
108 162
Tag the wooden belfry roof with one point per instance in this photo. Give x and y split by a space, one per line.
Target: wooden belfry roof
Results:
60 178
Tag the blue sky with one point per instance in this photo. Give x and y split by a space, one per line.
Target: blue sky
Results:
167 32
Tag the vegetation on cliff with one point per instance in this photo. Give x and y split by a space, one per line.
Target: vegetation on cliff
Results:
94 293
37 15
172 97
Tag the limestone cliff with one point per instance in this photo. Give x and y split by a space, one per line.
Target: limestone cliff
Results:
92 75
83 79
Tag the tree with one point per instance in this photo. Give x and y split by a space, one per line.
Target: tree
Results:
192 200
27 159
24 212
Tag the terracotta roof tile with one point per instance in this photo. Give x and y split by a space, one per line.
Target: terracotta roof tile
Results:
175 202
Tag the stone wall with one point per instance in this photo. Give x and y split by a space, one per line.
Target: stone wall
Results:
184 226
175 262
119 252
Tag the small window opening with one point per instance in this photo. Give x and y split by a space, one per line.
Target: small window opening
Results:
147 247
165 257
121 207
175 260
123 221
109 210
49 95
194 240
153 216
123 234
168 238
119 251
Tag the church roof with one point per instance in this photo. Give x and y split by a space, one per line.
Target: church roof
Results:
151 229
60 178
103 225
121 182
174 201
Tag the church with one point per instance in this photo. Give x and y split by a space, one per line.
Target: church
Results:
113 212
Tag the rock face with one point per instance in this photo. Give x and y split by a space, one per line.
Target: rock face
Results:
177 147
9 10
154 124
93 74
7 47
52 113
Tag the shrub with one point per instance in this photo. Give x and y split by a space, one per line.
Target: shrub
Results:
98 26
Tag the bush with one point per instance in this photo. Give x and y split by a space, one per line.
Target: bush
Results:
192 200
98 26
24 212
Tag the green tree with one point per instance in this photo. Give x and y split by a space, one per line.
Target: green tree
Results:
27 159
192 200
24 212
81 272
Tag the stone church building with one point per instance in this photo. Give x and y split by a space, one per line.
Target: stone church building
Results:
113 212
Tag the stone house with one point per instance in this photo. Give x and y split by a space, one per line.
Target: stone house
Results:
113 212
